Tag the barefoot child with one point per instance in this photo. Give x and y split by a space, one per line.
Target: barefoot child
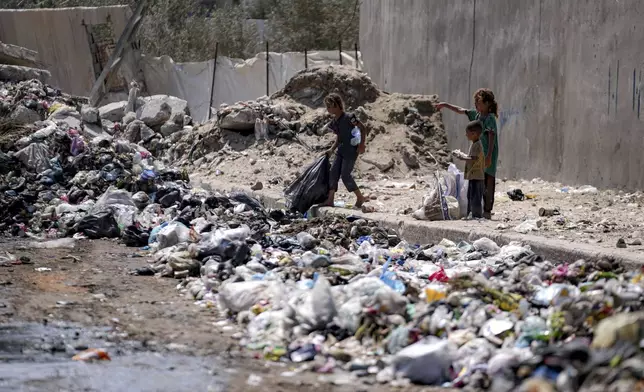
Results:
347 152
486 112
474 169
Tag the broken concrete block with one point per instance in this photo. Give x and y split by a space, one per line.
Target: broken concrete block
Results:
93 130
239 120
128 118
175 124
67 116
410 159
159 108
23 115
113 111
89 114
14 73
133 131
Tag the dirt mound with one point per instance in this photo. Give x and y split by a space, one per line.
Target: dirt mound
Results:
310 86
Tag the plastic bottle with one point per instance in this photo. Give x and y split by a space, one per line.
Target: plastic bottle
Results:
355 136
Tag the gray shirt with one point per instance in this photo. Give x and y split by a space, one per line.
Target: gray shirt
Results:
343 127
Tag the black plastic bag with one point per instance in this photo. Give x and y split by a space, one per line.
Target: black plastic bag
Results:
311 188
134 236
99 225
516 195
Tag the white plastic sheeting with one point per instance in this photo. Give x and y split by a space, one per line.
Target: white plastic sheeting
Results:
235 80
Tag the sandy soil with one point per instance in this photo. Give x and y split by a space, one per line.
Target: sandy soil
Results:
95 288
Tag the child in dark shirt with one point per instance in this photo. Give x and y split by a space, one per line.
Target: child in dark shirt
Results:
347 152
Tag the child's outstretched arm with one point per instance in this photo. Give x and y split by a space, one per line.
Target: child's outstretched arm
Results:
454 108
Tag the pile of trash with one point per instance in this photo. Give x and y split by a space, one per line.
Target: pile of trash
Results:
67 168
340 296
347 298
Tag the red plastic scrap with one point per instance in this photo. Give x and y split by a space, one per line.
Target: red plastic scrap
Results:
439 276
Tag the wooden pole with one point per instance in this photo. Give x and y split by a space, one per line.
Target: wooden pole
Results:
267 71
306 59
212 86
340 51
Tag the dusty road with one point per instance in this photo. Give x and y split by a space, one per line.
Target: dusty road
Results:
158 339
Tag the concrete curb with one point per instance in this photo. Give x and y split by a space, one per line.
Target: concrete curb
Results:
415 231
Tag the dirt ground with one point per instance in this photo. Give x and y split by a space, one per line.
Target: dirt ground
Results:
91 286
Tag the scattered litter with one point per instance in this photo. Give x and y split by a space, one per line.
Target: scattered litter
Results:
92 354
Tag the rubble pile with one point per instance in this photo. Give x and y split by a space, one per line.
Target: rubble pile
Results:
284 132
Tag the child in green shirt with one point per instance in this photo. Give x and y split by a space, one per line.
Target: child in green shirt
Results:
486 111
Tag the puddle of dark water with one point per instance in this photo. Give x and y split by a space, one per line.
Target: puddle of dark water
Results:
35 357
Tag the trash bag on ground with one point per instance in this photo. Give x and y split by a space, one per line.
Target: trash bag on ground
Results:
114 196
425 362
99 225
314 309
172 234
435 203
134 236
461 188
240 296
311 188
35 157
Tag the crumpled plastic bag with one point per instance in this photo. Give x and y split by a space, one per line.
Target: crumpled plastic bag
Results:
173 234
460 191
374 293
134 236
99 225
311 188
35 157
315 309
425 362
114 196
240 296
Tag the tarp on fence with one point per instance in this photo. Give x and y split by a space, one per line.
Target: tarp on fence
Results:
235 79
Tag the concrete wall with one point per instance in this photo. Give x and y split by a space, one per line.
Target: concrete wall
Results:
60 38
567 75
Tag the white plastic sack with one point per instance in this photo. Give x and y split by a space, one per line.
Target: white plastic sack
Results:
172 234
315 308
35 157
425 362
114 196
240 296
461 188
373 292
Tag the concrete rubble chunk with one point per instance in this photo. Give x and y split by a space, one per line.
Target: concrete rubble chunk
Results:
410 159
159 108
129 117
17 55
67 116
137 131
22 115
113 111
242 119
89 114
175 124
14 73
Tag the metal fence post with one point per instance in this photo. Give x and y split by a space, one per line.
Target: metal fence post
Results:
357 60
212 86
306 59
267 71
340 51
